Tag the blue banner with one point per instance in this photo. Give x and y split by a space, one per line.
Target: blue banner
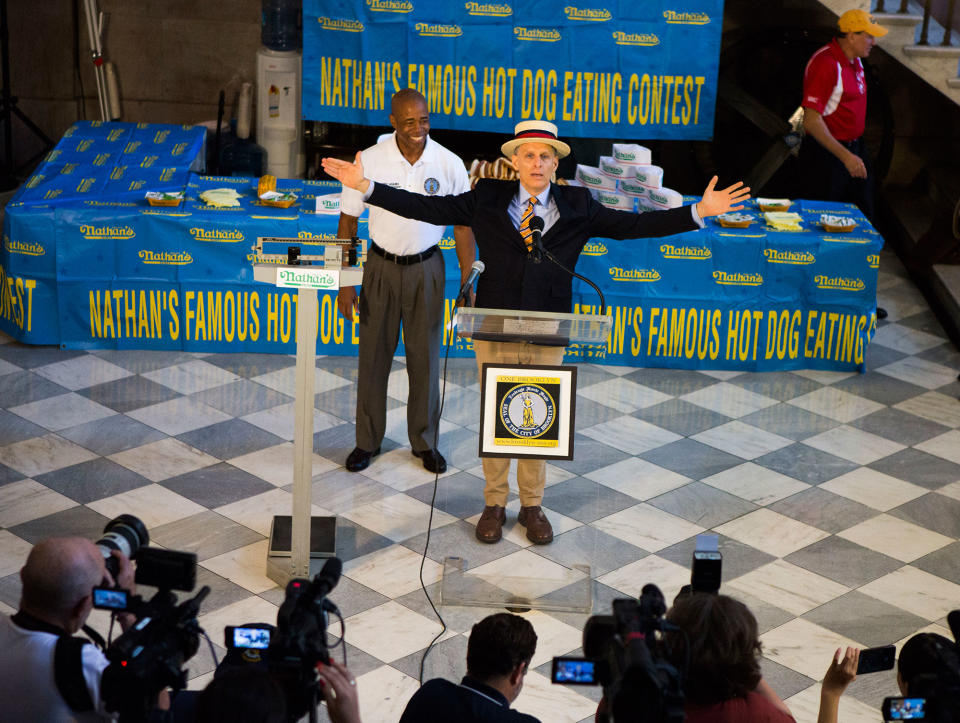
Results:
621 69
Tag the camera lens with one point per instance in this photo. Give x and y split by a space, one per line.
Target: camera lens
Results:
125 533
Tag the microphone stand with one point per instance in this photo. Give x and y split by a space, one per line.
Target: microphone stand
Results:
539 252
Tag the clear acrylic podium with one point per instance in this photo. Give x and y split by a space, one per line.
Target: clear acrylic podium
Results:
558 587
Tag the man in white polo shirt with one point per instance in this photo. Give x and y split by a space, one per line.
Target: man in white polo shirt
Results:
403 282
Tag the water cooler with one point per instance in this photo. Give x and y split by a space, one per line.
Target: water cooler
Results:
279 75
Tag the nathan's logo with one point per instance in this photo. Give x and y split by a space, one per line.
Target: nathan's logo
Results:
112 204
35 180
117 172
490 10
839 283
873 261
642 275
433 30
131 146
179 149
101 158
658 197
83 145
589 178
136 185
160 136
85 185
53 155
318 236
142 124
645 40
846 239
24 248
347 26
674 18
448 242
544 35
594 249
167 173
795 258
599 15
328 204
148 161
390 6
107 232
68 168
685 252
165 258
52 193
217 234
70 131
725 278
277 260
114 134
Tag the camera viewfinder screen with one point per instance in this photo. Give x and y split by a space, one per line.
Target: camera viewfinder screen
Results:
112 599
575 671
907 708
258 638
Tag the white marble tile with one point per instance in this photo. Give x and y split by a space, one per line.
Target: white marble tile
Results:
191 377
897 538
623 395
728 399
555 703
804 646
630 579
771 532
179 415
647 527
900 299
249 610
400 470
397 517
952 490
13 553
915 591
932 628
62 411
393 571
805 707
27 500
199 682
391 631
946 445
245 566
153 504
384 693
921 372
853 444
40 455
284 381
82 372
7 368
631 435
279 420
554 474
638 478
4 608
163 459
554 637
257 512
525 574
757 484
905 339
275 464
743 440
614 369
836 404
721 374
787 587
934 406
874 489
823 376
396 428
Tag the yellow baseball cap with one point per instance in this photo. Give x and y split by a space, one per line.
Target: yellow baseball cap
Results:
860 21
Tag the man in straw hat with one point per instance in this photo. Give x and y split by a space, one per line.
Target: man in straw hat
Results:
834 157
499 213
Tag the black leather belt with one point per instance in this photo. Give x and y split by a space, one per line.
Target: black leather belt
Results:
403 260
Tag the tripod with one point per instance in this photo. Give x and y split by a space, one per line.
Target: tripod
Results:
9 174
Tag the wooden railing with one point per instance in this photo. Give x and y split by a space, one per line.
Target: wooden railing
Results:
947 21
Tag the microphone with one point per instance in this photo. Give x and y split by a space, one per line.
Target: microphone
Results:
327 578
536 225
475 270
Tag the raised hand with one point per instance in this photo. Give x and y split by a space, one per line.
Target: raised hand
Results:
716 202
349 174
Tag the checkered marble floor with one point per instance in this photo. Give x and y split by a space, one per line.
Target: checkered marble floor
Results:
836 496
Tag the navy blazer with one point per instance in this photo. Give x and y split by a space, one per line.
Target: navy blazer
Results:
511 279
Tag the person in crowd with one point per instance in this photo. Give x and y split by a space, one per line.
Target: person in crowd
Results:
516 274
723 682
56 676
833 155
403 282
499 652
242 694
929 667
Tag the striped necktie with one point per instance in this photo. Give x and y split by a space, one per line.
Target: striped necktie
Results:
525 232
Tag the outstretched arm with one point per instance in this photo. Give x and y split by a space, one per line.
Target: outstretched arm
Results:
839 675
349 174
715 202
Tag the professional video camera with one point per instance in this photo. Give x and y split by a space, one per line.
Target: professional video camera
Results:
149 656
623 654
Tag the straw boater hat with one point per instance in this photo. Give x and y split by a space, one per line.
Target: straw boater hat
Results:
535 131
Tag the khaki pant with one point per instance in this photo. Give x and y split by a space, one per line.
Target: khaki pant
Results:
531 473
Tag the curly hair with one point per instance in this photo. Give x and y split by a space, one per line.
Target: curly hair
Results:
724 654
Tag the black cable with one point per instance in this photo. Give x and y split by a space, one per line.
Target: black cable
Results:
603 302
213 652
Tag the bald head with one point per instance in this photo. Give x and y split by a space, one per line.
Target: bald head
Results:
404 96
60 572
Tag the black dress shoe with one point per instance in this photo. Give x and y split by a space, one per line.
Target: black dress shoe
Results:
433 461
360 459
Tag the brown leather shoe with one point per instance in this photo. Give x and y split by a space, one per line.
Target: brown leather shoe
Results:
490 524
539 531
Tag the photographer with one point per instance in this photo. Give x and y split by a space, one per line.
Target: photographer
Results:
723 680
929 667
57 677
498 657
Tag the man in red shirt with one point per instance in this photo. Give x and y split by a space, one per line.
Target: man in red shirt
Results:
833 154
